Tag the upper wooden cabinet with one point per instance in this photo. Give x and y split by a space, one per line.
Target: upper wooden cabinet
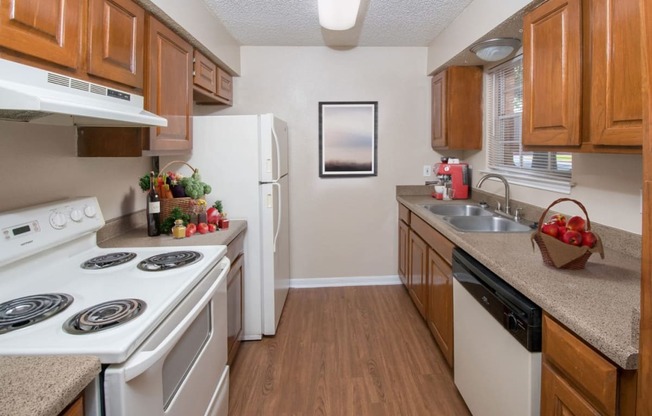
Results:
47 30
168 89
457 109
212 85
116 37
582 76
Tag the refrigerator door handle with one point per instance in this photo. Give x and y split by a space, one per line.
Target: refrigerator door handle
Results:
278 155
278 215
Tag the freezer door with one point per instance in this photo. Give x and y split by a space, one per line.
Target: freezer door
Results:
273 138
275 239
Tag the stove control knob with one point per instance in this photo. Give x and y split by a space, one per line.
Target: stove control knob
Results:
76 215
90 211
58 220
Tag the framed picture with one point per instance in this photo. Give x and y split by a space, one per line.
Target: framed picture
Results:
348 139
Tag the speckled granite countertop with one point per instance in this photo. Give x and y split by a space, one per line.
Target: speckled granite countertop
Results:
599 303
137 237
43 385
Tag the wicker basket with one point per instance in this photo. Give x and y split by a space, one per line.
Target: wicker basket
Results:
185 204
558 254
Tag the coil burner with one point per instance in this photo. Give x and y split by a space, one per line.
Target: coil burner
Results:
171 260
104 316
108 260
22 312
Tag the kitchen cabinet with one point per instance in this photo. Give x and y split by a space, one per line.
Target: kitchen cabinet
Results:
403 229
577 380
440 303
234 294
425 257
418 271
457 109
168 89
76 408
50 31
116 37
582 76
212 85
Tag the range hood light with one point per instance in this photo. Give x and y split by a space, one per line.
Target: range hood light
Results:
338 14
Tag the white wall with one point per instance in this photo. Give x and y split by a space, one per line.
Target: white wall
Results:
40 164
342 227
479 17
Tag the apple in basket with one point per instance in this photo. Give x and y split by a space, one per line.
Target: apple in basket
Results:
550 228
589 239
572 237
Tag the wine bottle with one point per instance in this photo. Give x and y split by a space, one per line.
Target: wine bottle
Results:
153 208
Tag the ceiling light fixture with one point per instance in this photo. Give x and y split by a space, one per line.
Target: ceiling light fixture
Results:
338 14
497 49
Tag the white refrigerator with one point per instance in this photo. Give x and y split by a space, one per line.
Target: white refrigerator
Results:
245 160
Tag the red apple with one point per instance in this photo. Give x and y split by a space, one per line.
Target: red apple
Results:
561 231
589 239
559 219
550 228
576 223
572 237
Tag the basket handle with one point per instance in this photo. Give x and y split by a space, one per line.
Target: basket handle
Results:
545 212
162 171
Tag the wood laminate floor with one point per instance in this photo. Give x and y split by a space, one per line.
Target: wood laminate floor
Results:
345 351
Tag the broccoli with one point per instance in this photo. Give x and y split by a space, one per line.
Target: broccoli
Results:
194 187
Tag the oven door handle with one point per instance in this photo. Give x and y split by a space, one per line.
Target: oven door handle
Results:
143 360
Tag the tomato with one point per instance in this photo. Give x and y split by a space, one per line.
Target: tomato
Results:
212 228
212 215
202 228
191 226
189 231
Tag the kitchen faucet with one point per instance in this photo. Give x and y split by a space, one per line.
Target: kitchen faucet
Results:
502 178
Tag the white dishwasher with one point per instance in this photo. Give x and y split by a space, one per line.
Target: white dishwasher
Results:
497 334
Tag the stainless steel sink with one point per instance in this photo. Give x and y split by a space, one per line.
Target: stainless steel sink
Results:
457 210
486 224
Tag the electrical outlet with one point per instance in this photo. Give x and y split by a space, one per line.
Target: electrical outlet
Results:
427 170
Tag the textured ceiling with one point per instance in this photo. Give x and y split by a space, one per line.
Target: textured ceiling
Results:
295 22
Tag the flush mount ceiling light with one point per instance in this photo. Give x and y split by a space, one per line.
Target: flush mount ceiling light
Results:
493 50
338 14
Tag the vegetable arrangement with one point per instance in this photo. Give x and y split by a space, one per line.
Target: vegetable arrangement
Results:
175 185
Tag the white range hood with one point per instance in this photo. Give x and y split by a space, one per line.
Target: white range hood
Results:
34 95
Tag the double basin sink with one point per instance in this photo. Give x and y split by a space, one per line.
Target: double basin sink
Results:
474 218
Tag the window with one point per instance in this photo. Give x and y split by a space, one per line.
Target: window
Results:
505 154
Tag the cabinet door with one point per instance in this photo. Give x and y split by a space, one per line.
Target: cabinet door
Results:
418 272
116 41
204 73
616 81
169 88
403 251
559 398
440 303
224 86
438 139
234 307
552 80
47 30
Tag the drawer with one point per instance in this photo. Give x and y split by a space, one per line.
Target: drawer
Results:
588 370
404 214
235 247
437 241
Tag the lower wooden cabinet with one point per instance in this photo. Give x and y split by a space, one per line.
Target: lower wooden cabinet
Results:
234 294
576 380
76 408
418 272
439 313
425 257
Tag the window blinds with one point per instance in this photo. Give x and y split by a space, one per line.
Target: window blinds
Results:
504 95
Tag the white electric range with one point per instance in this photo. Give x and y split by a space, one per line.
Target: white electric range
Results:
155 317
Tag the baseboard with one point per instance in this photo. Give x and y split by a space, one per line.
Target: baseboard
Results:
345 281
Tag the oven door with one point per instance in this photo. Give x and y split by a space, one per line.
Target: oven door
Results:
180 369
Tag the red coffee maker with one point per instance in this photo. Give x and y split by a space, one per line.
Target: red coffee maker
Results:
455 176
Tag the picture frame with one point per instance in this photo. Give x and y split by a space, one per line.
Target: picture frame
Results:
348 139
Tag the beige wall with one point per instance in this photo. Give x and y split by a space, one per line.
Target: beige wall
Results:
479 17
40 164
342 227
